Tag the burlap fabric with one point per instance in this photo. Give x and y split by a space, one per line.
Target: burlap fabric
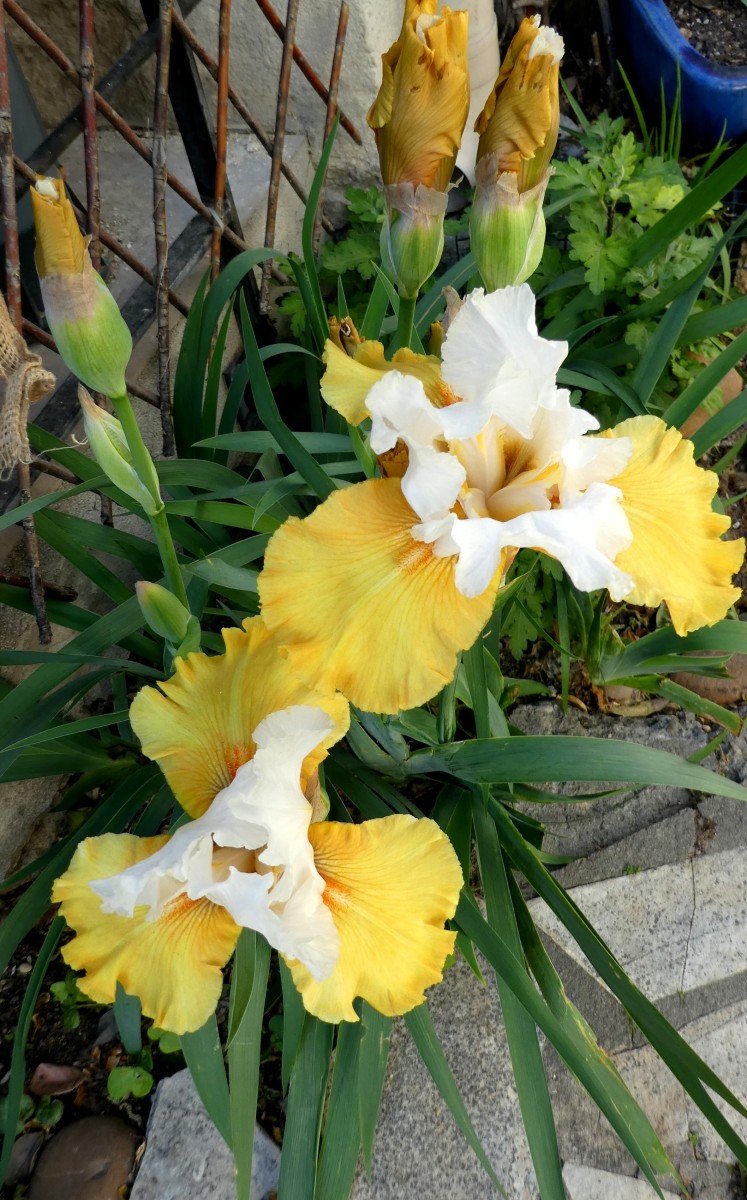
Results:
23 381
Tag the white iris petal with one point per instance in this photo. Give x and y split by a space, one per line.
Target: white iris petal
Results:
494 357
512 453
263 810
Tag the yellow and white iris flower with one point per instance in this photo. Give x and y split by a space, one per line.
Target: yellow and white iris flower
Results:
356 910
379 589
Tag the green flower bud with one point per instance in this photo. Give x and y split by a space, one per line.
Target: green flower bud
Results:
109 447
412 237
91 333
507 229
168 617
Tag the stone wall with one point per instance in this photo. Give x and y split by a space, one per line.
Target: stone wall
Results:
255 64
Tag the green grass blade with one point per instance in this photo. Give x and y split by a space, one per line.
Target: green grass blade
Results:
660 345
584 1065
127 1014
204 1057
639 1136
374 1055
376 310
431 305
246 1010
342 1139
721 424
420 1026
319 317
691 209
269 415
294 1016
721 318
521 1032
694 1074
17 1074
561 759
304 1115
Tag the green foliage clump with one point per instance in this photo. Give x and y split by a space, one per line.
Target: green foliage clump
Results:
601 205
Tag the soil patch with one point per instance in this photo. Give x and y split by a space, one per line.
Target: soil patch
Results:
715 28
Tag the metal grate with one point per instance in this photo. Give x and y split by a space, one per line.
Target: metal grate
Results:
215 224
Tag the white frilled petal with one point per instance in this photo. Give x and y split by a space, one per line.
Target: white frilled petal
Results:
494 358
262 810
401 411
585 536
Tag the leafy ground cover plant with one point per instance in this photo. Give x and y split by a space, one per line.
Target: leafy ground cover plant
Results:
352 761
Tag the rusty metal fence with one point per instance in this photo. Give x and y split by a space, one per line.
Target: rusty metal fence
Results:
204 133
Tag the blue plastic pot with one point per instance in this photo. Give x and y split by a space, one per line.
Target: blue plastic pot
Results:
650 46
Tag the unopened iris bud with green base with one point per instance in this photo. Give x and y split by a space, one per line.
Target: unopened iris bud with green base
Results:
412 237
518 130
418 118
110 449
90 332
168 617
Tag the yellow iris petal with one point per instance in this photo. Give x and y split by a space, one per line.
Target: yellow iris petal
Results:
198 726
523 109
349 377
390 886
60 246
174 964
422 105
677 554
359 605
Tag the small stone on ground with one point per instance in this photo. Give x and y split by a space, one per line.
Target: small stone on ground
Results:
88 1160
186 1158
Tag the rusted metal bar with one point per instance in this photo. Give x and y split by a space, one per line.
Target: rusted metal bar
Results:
36 334
110 242
13 289
256 128
160 128
90 141
55 591
281 116
56 143
55 470
306 68
221 129
334 87
110 114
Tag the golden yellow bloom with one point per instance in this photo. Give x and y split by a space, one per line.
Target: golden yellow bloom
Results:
91 334
421 109
518 130
240 741
404 571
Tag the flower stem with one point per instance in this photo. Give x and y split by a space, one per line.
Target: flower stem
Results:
143 464
406 322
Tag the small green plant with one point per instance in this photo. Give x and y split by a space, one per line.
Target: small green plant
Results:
134 1079
632 869
69 996
168 1043
603 205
